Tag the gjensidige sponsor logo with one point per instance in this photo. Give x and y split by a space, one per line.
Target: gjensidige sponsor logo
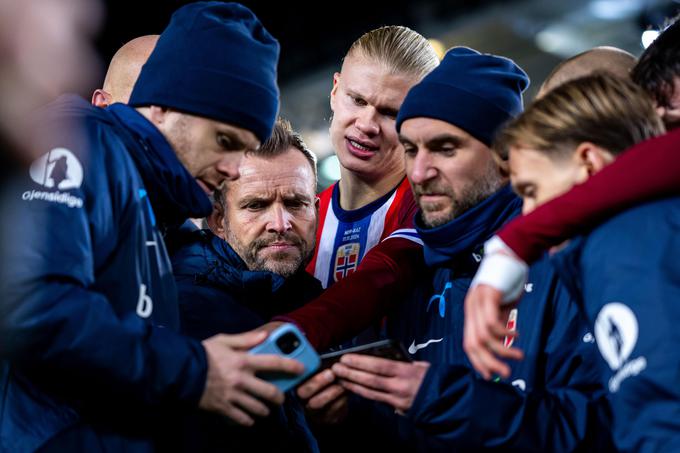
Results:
60 170
616 333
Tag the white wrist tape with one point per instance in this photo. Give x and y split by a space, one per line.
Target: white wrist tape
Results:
501 270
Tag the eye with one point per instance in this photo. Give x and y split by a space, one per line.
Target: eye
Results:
447 151
358 101
527 192
296 204
225 142
410 150
254 205
389 113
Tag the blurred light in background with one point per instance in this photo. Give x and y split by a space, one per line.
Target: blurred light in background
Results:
648 37
562 39
615 9
329 170
438 46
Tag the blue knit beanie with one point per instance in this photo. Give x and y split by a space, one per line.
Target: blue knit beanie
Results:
214 60
475 92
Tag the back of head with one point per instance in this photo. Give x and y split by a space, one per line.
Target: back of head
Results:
659 64
473 91
607 59
125 67
399 49
610 112
214 60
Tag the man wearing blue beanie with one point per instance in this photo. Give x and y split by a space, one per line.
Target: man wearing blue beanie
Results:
91 357
552 401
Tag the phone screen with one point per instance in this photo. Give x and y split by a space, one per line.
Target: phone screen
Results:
387 349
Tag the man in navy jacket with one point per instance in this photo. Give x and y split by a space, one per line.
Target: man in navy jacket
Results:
89 316
552 401
248 267
623 273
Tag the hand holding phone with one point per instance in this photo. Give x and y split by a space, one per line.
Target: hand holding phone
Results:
289 342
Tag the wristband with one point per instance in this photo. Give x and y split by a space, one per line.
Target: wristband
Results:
502 270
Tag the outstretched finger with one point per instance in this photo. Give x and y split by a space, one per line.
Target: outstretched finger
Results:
238 415
272 362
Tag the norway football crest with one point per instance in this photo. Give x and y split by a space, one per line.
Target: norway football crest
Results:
511 325
346 260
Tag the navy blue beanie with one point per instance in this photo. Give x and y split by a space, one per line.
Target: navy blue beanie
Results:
214 60
475 92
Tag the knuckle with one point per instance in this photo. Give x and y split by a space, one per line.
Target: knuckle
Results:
239 361
236 380
274 394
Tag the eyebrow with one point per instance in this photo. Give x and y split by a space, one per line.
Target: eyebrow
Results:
437 140
267 198
298 197
442 139
404 139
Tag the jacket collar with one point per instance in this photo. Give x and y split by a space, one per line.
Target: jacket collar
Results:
461 240
173 192
266 292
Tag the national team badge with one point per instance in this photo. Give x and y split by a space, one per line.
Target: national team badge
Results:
346 260
511 325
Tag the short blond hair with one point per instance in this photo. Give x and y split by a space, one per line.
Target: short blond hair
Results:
610 112
400 49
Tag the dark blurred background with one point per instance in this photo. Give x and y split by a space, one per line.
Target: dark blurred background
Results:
535 33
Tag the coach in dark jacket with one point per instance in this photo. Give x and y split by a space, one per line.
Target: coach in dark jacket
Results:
246 269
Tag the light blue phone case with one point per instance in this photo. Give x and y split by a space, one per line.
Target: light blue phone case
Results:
304 353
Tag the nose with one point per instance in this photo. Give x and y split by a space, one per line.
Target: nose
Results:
528 205
228 165
279 220
366 122
420 168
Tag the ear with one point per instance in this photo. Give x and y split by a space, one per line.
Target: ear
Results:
502 164
216 221
158 115
317 203
334 90
661 111
591 158
101 98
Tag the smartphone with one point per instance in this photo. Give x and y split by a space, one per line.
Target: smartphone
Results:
386 349
289 342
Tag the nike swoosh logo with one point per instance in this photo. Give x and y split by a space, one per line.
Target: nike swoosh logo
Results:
414 347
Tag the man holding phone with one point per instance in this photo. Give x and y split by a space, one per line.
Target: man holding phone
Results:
552 400
91 357
248 267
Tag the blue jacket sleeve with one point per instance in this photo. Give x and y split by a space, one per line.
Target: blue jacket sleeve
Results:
564 410
63 324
